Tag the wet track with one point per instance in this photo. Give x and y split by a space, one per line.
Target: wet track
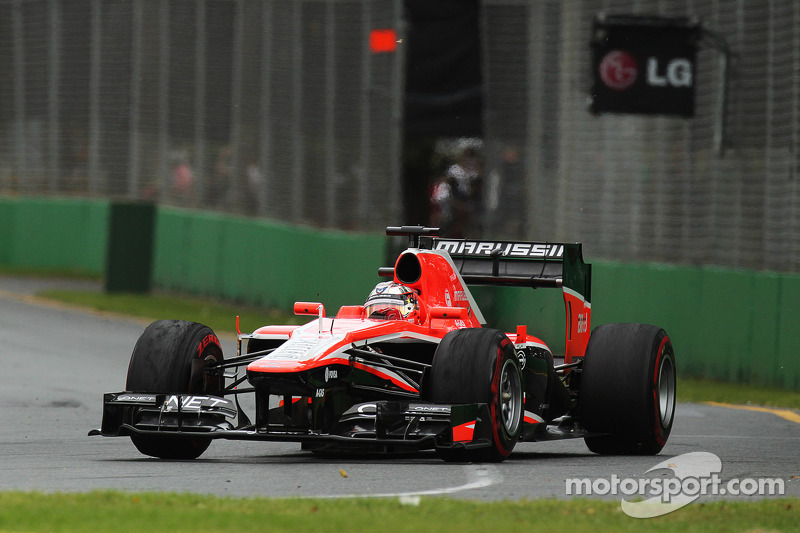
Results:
57 362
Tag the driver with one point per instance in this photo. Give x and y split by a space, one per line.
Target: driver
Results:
392 301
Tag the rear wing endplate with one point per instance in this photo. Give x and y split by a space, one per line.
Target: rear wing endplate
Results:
528 264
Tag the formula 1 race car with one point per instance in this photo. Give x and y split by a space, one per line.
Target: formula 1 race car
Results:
412 368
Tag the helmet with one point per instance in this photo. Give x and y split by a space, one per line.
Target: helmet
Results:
393 301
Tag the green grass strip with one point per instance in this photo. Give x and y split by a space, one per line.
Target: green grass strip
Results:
219 316
123 512
44 272
705 390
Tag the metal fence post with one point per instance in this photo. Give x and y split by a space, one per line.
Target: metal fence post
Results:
330 108
163 100
53 125
95 74
265 109
21 149
200 102
366 132
134 167
298 179
397 91
237 180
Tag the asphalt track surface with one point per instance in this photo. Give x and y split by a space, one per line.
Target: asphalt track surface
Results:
58 361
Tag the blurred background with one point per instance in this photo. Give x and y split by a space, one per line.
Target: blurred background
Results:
357 114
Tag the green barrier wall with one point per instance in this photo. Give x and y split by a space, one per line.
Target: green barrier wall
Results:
728 325
63 234
264 263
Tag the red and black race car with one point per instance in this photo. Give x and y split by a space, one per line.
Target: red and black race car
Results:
413 368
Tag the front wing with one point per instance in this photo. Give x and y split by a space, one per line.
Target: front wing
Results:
379 425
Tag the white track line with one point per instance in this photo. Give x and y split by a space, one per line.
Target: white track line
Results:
478 476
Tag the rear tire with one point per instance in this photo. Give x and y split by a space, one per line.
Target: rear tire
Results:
478 365
162 362
627 391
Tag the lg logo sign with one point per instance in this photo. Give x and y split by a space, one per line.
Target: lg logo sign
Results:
644 65
619 70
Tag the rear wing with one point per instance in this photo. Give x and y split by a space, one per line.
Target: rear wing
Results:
515 263
522 264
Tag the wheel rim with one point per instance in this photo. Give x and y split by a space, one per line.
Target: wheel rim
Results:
666 390
211 383
510 397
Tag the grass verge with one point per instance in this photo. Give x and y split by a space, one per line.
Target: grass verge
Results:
706 390
43 272
219 316
122 512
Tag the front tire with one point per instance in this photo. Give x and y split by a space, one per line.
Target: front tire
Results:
627 391
163 361
478 365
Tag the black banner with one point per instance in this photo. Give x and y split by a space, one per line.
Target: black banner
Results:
644 65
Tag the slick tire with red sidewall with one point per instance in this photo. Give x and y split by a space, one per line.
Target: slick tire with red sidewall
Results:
478 365
164 361
627 391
